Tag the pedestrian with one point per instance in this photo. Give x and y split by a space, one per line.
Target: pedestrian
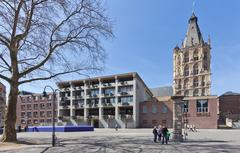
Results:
194 128
191 128
159 133
164 135
116 127
26 128
155 133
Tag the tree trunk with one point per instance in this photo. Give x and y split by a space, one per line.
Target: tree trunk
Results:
9 134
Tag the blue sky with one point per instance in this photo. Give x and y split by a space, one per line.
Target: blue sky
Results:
147 31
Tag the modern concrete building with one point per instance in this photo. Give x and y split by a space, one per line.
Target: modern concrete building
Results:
191 63
34 109
201 111
103 101
2 103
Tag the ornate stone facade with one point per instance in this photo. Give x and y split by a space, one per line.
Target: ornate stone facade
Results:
191 63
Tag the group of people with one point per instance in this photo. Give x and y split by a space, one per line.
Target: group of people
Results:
161 133
191 127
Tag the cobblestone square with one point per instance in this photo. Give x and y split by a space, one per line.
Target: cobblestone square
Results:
126 141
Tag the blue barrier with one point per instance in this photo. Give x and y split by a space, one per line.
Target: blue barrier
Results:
81 128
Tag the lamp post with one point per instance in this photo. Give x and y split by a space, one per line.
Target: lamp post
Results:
53 110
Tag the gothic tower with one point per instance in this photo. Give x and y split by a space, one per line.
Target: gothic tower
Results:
191 63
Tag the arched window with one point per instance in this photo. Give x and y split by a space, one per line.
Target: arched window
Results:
205 55
179 84
186 83
186 93
195 55
195 82
205 67
203 92
186 57
203 80
195 92
186 70
195 69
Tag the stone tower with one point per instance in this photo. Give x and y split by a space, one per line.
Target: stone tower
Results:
191 63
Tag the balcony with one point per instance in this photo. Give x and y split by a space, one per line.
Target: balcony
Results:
124 83
108 95
107 84
123 93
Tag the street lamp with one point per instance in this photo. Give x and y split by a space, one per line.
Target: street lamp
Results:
53 110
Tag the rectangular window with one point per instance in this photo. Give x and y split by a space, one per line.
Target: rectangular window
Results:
154 122
145 109
164 109
22 114
35 106
42 106
154 108
185 106
42 114
29 106
23 107
35 114
202 105
29 114
49 113
164 122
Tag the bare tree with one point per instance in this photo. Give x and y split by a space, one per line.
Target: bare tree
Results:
43 39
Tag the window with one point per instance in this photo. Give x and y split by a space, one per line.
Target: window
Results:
35 114
203 92
125 89
49 105
186 57
185 106
186 93
202 105
186 81
195 55
125 99
195 69
205 56
35 121
154 122
42 106
42 114
23 107
145 109
109 91
41 120
186 70
22 114
164 109
195 92
49 113
154 108
29 106
195 82
205 67
35 106
164 122
49 120
29 114
203 81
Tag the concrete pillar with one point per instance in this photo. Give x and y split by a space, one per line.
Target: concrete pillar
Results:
135 102
85 102
116 99
71 100
177 118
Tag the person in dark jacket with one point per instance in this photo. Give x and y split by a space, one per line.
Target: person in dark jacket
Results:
164 135
155 133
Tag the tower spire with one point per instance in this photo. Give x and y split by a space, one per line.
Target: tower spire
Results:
193 6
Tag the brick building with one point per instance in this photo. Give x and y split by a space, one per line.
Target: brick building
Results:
2 103
34 109
229 107
199 111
